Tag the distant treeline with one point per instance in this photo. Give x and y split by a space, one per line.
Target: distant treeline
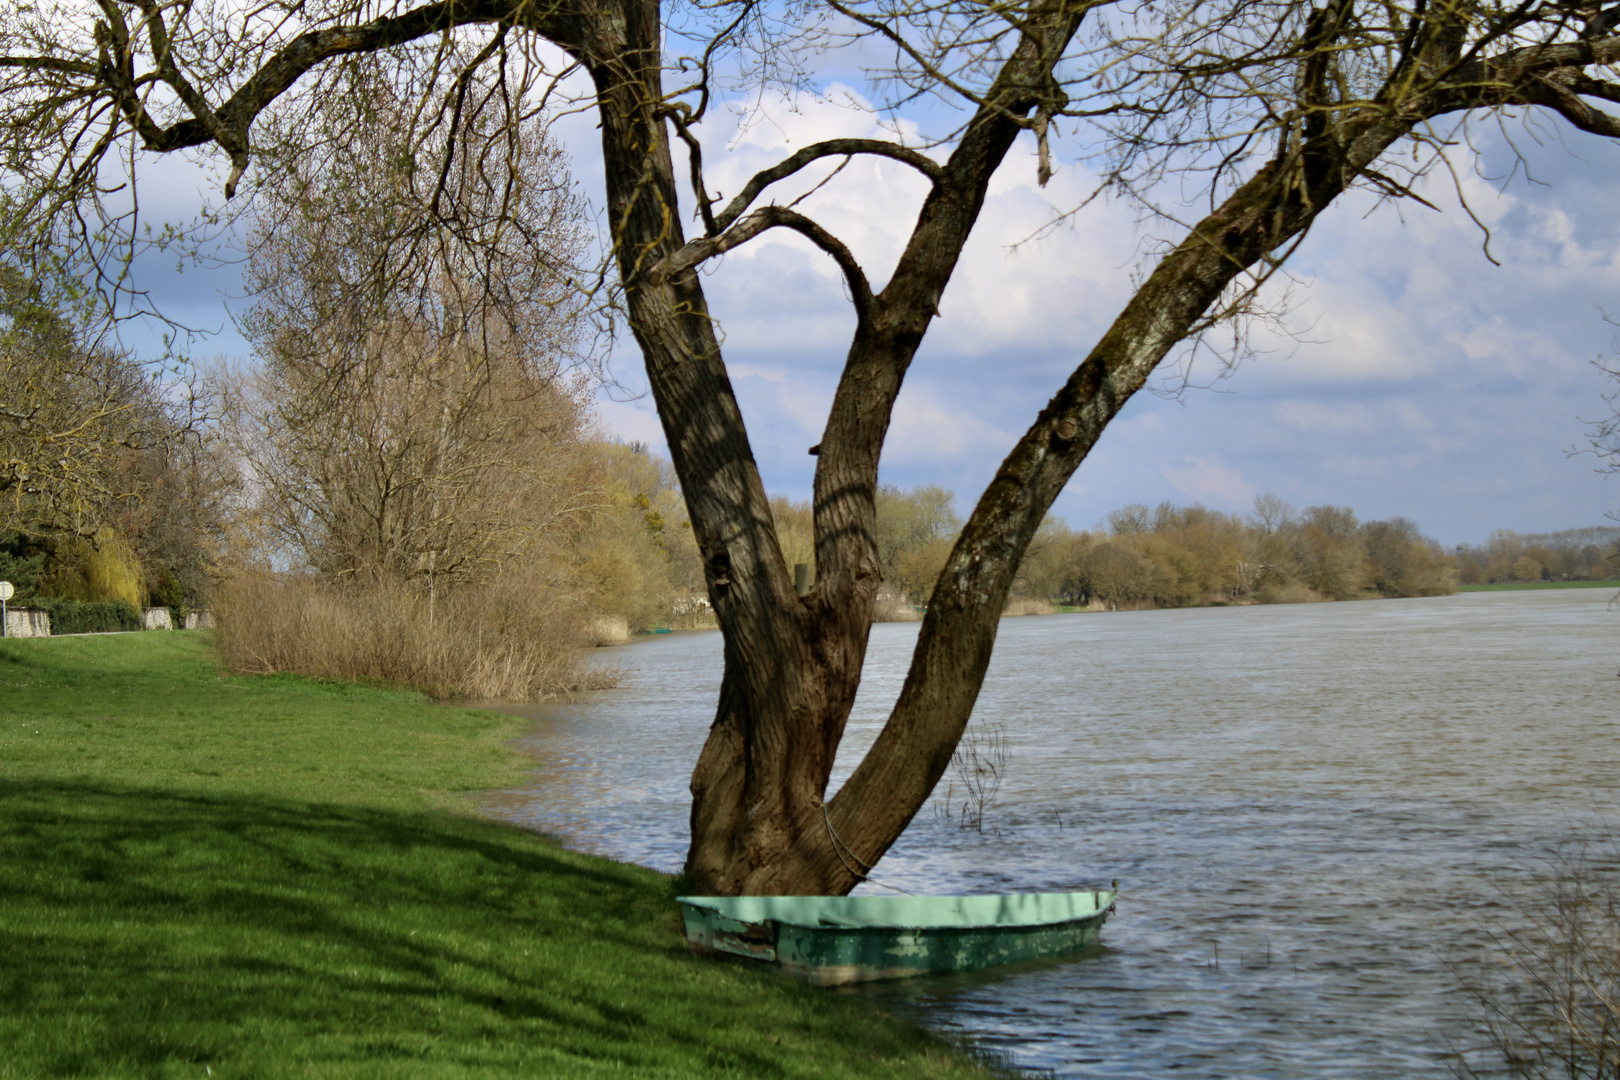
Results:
1591 554
1178 556
1181 556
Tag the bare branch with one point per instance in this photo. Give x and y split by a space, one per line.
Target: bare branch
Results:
681 117
1586 86
1554 94
695 252
813 153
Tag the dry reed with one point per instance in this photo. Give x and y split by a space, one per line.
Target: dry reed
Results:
510 639
1292 592
1028 605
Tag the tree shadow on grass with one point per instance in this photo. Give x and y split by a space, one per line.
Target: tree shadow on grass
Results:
144 929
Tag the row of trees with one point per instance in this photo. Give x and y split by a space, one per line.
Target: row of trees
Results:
1590 554
1174 556
409 452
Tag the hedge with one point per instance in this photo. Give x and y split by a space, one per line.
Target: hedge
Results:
88 616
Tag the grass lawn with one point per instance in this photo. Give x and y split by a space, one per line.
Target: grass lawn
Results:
1518 586
266 877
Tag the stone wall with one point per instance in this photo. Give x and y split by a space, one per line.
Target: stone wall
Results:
26 622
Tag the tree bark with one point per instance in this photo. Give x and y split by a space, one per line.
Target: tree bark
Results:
767 758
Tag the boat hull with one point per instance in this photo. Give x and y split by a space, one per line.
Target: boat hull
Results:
829 941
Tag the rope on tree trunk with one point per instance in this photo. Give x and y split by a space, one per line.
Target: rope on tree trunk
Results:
838 844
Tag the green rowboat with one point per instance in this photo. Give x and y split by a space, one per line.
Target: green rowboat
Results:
828 940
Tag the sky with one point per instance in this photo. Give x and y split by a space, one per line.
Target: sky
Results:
1409 375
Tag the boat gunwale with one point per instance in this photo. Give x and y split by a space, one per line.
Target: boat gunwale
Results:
1045 909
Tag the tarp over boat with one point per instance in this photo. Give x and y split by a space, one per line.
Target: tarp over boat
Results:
837 939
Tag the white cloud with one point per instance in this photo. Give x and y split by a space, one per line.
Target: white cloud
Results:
632 421
1207 479
793 409
1349 418
927 429
1013 285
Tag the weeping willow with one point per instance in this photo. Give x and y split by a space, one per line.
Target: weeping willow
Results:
106 569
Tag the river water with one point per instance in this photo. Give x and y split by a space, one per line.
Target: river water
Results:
1313 812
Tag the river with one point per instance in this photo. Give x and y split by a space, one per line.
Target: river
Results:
1313 812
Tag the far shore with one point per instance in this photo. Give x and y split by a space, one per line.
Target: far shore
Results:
1520 586
1023 606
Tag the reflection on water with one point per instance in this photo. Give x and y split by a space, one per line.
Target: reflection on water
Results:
1310 810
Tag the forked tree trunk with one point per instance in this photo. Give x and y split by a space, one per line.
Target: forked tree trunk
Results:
790 672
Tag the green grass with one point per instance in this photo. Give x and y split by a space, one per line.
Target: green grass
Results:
266 877
1519 586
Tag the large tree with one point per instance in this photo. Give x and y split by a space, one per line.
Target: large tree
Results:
1271 108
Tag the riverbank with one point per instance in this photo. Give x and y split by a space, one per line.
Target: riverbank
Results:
270 876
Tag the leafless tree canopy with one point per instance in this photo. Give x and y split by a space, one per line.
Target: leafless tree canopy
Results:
1238 120
82 424
467 232
410 412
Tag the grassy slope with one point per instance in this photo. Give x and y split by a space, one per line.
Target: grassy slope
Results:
1519 586
266 877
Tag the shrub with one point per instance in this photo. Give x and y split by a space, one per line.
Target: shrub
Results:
1289 592
507 639
88 616
893 607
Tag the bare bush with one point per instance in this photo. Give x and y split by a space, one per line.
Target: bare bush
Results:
1548 984
509 638
977 769
410 410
